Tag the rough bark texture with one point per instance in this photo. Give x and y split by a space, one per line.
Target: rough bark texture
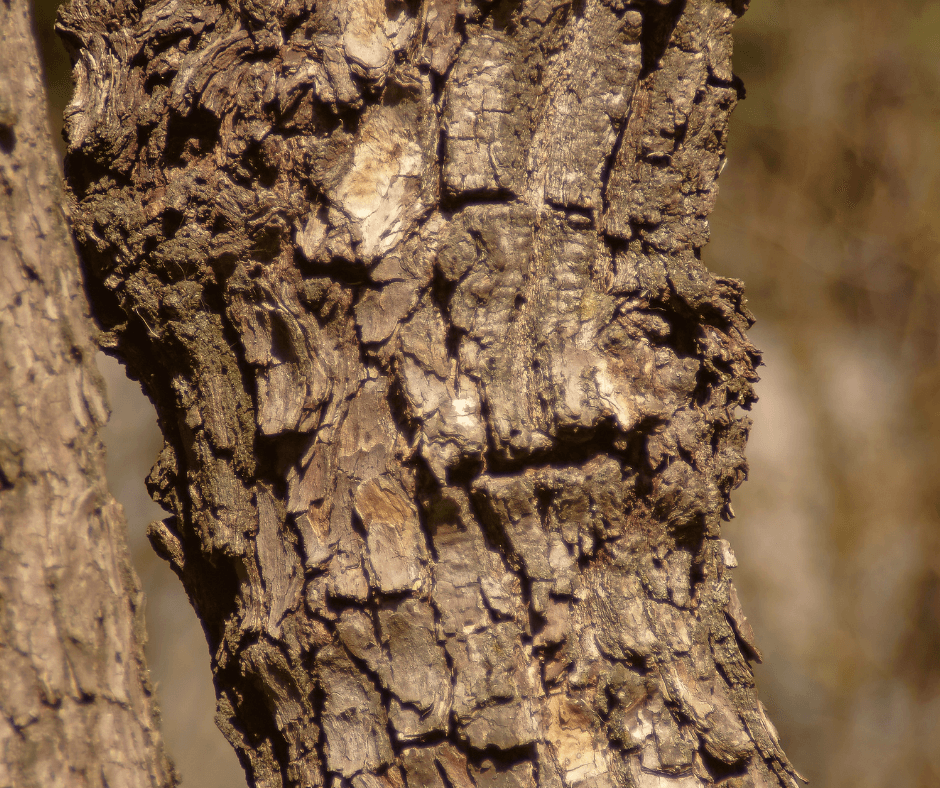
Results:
75 698
448 396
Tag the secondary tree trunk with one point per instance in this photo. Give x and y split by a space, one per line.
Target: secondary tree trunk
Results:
75 698
449 399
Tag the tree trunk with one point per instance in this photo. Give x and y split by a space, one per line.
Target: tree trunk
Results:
75 698
449 399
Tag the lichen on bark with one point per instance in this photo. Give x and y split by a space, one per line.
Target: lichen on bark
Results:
450 401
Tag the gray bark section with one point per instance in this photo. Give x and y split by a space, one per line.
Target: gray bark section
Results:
449 399
75 698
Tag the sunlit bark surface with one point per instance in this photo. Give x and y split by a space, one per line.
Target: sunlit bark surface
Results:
76 708
449 398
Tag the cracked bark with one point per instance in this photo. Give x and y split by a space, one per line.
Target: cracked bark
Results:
75 696
450 401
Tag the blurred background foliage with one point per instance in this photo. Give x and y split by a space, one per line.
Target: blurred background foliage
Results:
830 212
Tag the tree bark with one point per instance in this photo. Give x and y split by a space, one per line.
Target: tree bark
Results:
449 398
75 699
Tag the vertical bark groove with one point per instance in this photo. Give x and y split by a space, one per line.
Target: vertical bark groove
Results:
450 401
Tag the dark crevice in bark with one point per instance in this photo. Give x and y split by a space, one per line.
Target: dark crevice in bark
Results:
482 509
658 23
438 82
454 202
503 759
442 773
109 313
622 129
342 272
254 703
723 773
348 118
276 455
575 214
401 412
464 472
189 136
573 446
84 172
317 699
292 24
7 138
543 500
692 537
213 587
441 292
735 83
504 14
